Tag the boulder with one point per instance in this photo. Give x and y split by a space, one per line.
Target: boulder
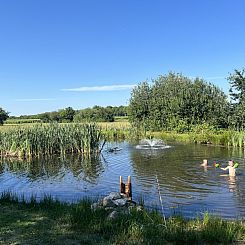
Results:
114 195
120 202
108 202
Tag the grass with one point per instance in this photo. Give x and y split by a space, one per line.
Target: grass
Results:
49 139
122 130
22 121
53 222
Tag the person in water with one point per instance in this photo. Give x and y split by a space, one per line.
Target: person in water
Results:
204 163
231 168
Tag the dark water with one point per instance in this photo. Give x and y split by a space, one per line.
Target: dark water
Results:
185 187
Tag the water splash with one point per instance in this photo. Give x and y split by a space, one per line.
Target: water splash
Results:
152 144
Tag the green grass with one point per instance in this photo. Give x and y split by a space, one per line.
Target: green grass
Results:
122 130
22 121
53 222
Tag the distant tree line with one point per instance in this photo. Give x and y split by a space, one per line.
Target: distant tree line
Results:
170 102
176 102
96 114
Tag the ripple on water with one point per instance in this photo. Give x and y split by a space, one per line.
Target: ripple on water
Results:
175 173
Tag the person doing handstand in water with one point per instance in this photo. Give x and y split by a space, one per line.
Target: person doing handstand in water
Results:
231 168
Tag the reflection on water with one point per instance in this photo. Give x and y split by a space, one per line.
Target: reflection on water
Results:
184 186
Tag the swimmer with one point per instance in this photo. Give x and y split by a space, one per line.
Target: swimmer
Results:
231 168
204 163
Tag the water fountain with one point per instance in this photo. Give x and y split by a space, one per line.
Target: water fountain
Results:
152 144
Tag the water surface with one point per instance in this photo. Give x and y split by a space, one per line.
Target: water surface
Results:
185 187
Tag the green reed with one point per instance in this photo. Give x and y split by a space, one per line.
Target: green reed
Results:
50 139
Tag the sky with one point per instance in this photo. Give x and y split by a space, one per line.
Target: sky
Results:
81 53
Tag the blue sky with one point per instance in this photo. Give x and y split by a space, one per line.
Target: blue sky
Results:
53 51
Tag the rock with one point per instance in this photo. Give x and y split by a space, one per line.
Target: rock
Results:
108 202
100 202
94 206
139 208
114 195
131 204
109 208
124 210
113 215
120 202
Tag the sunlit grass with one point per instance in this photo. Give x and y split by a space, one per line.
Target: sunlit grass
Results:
49 139
49 221
122 130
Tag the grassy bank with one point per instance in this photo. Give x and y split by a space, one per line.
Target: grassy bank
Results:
52 222
225 137
122 130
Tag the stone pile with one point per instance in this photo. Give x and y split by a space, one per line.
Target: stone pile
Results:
117 204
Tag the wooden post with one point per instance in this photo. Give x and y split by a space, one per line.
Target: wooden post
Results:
122 186
126 189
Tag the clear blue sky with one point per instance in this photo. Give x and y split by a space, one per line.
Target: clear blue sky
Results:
50 46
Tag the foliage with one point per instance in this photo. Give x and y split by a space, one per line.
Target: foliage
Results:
139 108
175 102
237 94
95 114
22 121
3 116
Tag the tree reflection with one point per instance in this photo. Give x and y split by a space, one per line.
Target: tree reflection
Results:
81 167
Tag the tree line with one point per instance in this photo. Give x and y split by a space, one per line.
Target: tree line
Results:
176 102
96 114
170 102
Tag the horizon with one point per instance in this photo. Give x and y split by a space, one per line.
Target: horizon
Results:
56 54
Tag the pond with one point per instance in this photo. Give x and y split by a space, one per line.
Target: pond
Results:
174 172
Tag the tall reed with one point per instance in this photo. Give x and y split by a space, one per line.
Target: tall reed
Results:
50 139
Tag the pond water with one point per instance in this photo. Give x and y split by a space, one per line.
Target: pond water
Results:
175 171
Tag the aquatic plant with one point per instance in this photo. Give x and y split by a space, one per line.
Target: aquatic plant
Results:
49 139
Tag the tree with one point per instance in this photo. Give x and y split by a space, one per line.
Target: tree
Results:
237 94
3 116
175 102
67 114
139 107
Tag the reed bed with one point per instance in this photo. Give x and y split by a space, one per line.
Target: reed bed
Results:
50 139
119 131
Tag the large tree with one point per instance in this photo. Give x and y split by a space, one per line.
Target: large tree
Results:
139 106
175 102
237 94
3 116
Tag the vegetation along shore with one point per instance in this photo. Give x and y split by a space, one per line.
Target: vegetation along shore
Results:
50 221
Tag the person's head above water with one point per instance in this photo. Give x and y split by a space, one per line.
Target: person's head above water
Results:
231 163
204 162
